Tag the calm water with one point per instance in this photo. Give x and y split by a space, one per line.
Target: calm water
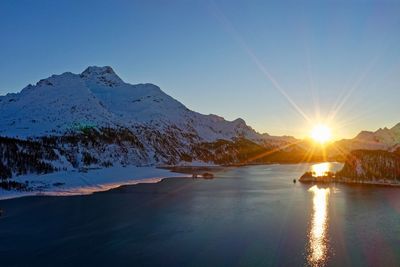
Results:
249 216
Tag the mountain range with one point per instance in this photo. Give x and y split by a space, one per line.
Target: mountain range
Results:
381 139
95 119
98 97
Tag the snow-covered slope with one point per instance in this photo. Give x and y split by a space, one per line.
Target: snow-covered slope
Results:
385 139
52 106
98 97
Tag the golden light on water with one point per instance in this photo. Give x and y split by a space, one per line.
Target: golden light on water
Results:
320 169
318 241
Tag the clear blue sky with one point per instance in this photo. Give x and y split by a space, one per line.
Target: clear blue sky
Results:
231 58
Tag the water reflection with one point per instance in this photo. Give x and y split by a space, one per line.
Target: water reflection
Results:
317 237
320 169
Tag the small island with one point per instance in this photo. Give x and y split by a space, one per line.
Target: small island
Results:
311 177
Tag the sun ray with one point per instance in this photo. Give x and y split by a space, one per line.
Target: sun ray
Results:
354 87
262 68
272 151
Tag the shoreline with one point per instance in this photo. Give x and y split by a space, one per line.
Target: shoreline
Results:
352 182
72 183
75 182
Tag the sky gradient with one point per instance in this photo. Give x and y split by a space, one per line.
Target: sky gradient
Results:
276 64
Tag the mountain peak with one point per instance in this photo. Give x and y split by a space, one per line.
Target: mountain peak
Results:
104 75
98 70
239 121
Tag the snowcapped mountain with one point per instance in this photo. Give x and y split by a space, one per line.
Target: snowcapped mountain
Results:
95 119
98 97
384 139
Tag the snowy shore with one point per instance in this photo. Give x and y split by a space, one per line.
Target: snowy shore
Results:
82 183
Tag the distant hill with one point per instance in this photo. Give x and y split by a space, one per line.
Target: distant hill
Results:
382 139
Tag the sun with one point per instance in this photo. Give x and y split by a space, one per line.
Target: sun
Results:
321 133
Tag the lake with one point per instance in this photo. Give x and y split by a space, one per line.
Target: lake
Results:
247 216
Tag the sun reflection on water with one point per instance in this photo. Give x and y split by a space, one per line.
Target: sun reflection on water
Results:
318 240
320 169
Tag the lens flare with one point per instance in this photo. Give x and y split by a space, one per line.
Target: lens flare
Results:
321 133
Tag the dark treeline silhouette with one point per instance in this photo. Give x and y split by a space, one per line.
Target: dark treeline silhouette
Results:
370 165
75 149
24 156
